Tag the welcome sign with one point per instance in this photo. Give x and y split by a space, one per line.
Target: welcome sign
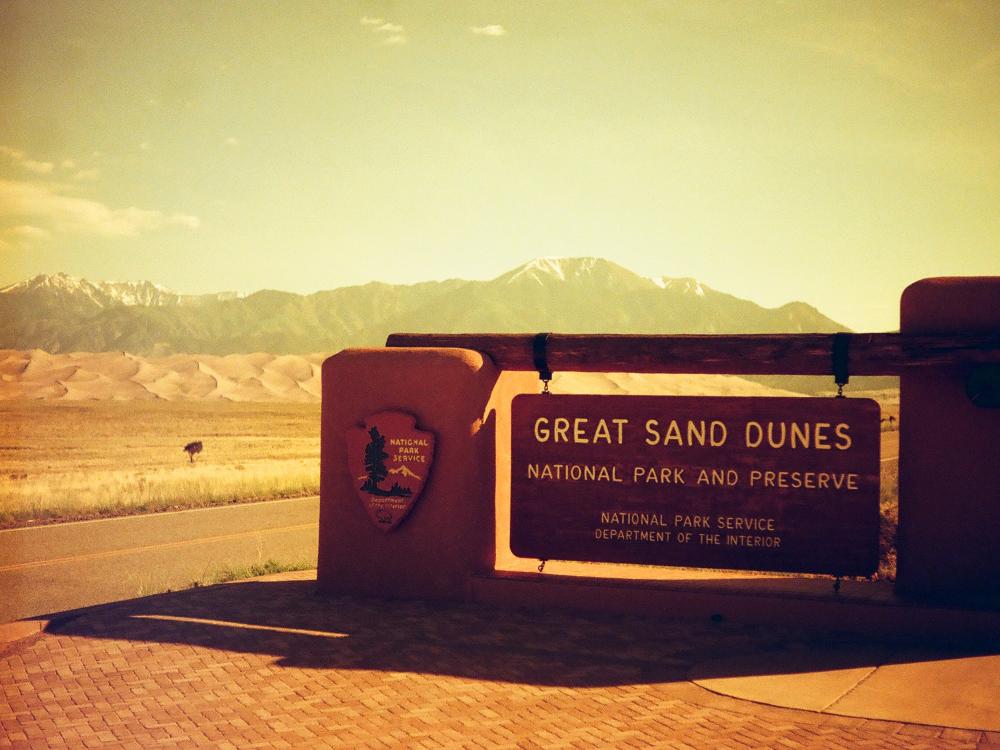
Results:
783 484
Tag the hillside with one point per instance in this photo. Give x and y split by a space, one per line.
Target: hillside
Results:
571 295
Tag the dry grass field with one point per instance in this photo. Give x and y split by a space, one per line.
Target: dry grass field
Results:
69 460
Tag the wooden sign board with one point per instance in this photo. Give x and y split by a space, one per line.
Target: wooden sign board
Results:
782 484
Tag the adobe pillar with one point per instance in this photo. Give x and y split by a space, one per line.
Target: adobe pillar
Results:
949 451
448 534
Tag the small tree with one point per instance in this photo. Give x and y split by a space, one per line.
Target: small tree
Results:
375 457
192 449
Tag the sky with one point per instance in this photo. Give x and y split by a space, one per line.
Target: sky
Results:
829 152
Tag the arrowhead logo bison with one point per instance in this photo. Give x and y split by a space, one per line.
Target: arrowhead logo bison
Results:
389 460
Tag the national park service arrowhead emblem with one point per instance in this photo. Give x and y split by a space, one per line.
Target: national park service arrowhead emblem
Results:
389 460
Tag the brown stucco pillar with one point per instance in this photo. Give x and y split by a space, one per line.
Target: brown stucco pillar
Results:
949 451
449 533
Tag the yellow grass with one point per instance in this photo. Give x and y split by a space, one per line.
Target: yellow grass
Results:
82 460
889 520
226 574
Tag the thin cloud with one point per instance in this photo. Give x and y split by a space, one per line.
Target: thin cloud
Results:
38 167
87 174
396 33
903 48
70 214
232 141
28 232
183 220
493 29
12 154
21 236
20 159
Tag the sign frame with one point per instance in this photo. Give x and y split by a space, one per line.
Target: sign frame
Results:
622 482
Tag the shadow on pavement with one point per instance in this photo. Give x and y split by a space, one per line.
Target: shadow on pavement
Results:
301 629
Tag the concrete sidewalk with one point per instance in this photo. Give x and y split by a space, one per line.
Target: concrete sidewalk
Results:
267 663
923 685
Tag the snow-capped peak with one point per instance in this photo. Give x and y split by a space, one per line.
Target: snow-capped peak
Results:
104 294
553 266
540 268
598 271
138 293
686 285
46 281
545 270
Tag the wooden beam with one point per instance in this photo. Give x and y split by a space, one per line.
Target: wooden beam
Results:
757 354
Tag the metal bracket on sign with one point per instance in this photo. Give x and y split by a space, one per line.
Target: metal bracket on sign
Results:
540 356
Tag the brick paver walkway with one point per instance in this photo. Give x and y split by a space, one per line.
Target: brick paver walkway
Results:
270 664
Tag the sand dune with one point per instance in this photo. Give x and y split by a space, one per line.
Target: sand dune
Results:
116 376
654 384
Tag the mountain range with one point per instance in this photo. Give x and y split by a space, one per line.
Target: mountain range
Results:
58 313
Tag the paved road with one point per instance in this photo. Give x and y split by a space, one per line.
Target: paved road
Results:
64 566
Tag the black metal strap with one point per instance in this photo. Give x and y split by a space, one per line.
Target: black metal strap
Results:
538 349
841 347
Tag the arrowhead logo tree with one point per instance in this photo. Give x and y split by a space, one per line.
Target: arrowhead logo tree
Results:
375 456
389 445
